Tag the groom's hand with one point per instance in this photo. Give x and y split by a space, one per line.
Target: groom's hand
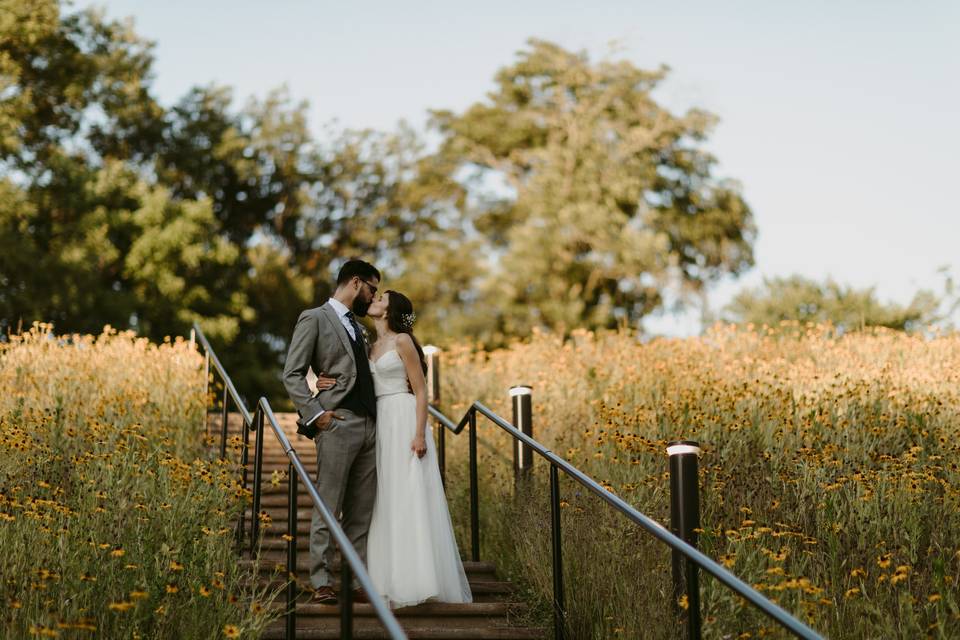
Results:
323 422
325 382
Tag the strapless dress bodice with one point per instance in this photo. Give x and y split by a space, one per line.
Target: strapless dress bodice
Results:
389 374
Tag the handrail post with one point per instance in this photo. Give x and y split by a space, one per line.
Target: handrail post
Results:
206 377
244 461
522 400
684 521
346 600
559 607
474 491
432 354
223 423
293 490
257 483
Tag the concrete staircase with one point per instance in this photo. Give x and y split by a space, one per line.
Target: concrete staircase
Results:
494 614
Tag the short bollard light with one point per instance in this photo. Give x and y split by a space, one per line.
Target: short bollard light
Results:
522 400
684 522
432 355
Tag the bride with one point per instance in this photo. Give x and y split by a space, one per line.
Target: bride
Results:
412 555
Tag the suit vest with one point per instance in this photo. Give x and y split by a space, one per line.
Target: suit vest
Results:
362 400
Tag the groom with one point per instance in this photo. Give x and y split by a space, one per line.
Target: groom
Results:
341 419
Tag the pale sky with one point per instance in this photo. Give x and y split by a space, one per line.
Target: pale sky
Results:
841 120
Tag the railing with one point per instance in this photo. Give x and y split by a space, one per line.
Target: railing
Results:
557 464
351 563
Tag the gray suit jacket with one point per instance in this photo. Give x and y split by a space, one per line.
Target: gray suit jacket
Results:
319 341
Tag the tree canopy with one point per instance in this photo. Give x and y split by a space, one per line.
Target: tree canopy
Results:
567 198
796 298
592 197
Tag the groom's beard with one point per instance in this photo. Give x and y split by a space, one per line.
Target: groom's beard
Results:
360 307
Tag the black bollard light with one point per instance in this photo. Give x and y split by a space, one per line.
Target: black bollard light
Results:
432 355
522 397
684 522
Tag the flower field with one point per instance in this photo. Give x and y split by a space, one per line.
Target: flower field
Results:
114 521
829 479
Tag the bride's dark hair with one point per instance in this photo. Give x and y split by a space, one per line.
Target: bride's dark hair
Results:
400 319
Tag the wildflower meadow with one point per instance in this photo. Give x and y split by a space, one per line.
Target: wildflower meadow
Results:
115 521
829 478
829 481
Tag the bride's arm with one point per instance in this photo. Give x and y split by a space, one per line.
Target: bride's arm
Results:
411 362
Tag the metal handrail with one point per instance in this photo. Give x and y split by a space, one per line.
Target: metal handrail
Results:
653 527
351 562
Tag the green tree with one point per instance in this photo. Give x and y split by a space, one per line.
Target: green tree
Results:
592 199
118 211
801 299
570 198
96 223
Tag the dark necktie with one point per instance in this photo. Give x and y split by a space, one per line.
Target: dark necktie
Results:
353 323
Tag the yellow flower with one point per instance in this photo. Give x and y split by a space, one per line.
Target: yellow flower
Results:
120 606
203 591
44 632
857 573
138 595
933 598
231 631
175 566
172 588
117 553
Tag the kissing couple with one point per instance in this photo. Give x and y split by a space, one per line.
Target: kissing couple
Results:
376 462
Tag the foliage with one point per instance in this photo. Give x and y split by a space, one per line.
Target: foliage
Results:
117 209
804 300
829 478
113 519
594 198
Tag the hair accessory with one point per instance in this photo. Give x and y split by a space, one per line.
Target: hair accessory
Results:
407 320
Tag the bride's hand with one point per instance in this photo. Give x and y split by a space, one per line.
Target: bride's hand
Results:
324 383
419 446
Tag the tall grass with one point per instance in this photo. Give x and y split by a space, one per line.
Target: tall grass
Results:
829 479
114 521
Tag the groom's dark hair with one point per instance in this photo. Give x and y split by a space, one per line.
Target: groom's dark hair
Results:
354 267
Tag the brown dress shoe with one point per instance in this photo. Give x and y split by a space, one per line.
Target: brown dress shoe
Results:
360 596
324 595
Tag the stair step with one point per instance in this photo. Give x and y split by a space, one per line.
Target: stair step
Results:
270 559
484 590
278 500
376 632
425 610
279 514
474 615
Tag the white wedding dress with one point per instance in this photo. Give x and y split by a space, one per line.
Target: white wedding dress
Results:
412 554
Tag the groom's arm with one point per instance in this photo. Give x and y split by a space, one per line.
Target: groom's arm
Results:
299 356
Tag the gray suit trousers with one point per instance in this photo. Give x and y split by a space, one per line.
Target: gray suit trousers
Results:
347 483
